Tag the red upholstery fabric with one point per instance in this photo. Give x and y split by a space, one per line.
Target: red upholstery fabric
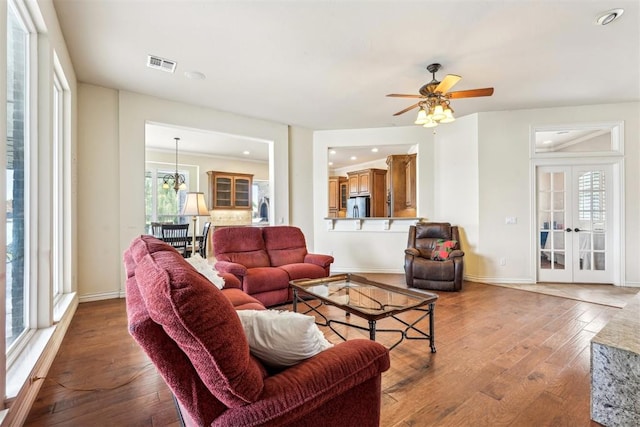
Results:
242 301
242 245
264 279
288 259
304 271
340 386
187 386
213 339
323 382
285 245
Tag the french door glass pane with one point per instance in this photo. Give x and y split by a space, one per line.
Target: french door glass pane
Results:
15 174
592 216
551 216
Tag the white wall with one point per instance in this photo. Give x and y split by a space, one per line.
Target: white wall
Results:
456 184
505 185
114 140
371 249
99 256
475 172
301 166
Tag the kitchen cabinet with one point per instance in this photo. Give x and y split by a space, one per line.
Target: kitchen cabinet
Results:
229 190
401 184
371 183
337 196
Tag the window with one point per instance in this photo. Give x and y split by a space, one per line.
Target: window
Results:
163 204
58 185
17 223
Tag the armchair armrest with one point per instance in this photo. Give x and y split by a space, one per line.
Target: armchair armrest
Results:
231 267
456 253
323 261
412 252
299 390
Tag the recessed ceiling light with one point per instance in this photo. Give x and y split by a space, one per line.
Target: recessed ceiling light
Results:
609 16
246 152
332 151
548 141
330 163
354 158
374 150
194 75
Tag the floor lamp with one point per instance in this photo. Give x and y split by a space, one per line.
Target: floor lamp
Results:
195 206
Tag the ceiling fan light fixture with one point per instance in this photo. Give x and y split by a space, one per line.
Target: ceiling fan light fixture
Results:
422 117
438 113
430 123
448 116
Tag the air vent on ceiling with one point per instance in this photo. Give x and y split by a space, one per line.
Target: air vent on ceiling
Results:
161 64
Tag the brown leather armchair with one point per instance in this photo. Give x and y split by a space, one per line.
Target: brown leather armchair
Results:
424 272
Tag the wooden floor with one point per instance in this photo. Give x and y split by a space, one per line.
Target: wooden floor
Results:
505 357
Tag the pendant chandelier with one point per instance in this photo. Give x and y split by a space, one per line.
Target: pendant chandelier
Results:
176 180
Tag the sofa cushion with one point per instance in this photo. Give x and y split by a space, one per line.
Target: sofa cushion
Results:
242 301
303 271
264 279
281 338
284 244
202 321
242 245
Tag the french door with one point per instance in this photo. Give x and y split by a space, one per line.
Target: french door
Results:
574 205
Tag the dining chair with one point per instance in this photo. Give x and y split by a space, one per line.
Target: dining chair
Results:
156 228
203 241
177 236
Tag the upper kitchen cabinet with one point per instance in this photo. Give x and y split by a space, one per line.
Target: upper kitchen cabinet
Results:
229 190
337 196
372 183
401 185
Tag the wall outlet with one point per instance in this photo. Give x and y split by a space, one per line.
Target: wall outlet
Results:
503 261
511 220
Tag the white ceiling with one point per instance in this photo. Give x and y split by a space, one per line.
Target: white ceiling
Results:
329 64
160 137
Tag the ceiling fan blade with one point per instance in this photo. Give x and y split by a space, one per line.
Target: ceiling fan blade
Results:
471 93
447 83
407 109
399 95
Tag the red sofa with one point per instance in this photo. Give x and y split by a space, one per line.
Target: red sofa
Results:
190 331
265 259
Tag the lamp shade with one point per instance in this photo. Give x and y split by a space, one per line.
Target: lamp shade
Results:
195 205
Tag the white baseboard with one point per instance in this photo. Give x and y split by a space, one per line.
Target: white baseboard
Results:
101 296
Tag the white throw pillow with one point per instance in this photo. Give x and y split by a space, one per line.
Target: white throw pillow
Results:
206 269
282 338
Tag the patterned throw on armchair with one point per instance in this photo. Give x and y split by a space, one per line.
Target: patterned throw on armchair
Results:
433 259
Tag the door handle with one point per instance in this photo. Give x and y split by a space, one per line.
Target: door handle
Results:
568 230
576 229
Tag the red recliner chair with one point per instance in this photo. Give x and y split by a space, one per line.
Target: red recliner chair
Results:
192 334
433 259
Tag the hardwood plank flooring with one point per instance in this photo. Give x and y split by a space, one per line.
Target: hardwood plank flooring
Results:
505 357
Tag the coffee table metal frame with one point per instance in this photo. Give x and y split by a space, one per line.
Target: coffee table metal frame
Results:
371 314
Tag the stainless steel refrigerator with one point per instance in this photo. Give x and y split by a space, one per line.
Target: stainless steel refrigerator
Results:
358 207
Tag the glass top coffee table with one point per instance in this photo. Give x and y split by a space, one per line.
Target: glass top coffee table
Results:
368 300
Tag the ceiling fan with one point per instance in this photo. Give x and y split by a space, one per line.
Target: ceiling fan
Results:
434 98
